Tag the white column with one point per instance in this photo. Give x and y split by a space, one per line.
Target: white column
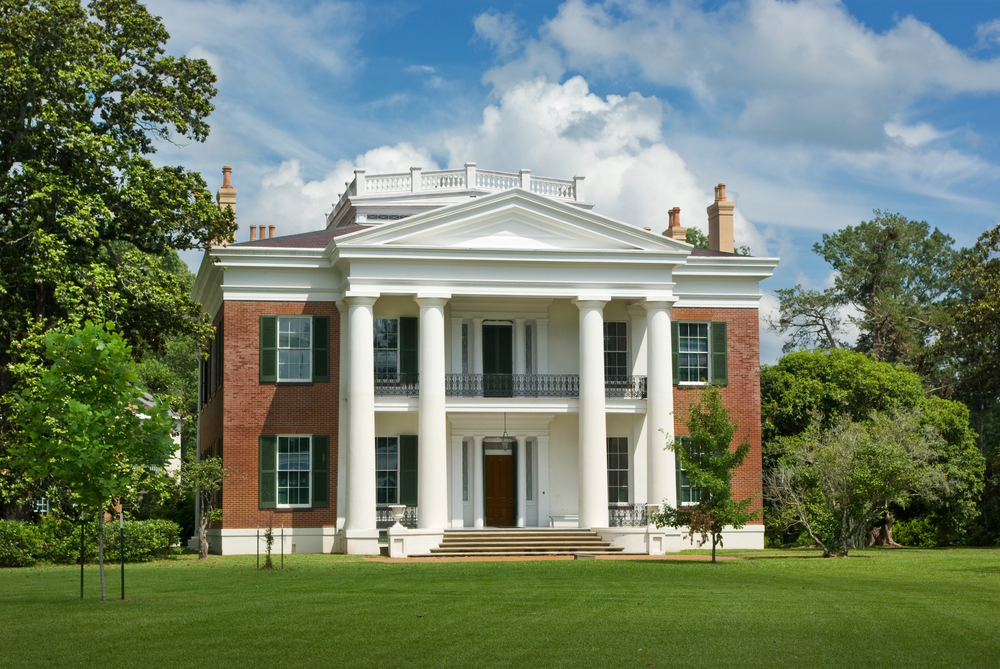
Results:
476 476
522 480
660 484
344 413
361 416
542 494
477 348
432 428
542 345
593 482
457 506
520 360
456 345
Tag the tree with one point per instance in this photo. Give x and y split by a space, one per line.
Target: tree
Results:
895 274
810 318
204 479
87 422
699 240
85 216
707 457
812 392
850 474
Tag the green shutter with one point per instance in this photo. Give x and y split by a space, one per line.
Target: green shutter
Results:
408 469
675 347
321 349
408 355
267 488
268 349
720 363
320 472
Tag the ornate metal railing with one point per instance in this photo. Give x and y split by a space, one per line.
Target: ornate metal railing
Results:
538 385
625 387
384 519
627 515
400 385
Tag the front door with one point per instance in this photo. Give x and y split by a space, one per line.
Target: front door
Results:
498 360
498 499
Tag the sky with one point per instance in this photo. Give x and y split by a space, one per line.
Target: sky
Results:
813 112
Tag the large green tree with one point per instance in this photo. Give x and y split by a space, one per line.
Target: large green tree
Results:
86 217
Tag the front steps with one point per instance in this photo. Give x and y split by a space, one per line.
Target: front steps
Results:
518 541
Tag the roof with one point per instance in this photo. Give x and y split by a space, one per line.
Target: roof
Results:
721 254
317 239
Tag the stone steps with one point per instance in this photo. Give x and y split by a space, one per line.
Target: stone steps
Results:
514 542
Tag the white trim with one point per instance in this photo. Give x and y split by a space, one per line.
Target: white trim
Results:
277 469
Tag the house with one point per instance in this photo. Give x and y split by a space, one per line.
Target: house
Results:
479 346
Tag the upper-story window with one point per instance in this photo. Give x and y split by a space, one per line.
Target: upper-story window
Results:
386 346
615 349
692 346
294 348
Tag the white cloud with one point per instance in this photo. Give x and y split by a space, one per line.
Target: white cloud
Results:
497 29
988 34
420 69
913 135
804 71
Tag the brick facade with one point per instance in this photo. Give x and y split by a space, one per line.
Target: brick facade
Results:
741 396
244 408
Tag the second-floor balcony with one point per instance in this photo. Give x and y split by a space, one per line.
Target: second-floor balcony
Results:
511 385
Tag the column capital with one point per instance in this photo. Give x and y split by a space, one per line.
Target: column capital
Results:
432 299
360 300
658 305
592 302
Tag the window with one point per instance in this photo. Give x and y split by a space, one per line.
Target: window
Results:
218 355
687 494
528 476
386 346
386 470
700 353
40 506
465 471
465 348
293 471
615 349
692 348
294 349
617 469
528 353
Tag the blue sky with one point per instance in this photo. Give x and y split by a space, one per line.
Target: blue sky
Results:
813 112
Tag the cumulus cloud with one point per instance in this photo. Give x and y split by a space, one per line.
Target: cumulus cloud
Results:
913 135
988 34
805 72
497 29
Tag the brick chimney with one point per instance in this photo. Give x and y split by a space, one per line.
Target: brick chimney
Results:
226 196
720 222
675 231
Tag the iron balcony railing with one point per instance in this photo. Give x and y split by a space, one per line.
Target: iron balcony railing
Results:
538 385
384 519
627 515
399 385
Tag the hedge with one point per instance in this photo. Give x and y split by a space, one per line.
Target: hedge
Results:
58 540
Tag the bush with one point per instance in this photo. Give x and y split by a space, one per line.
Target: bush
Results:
145 540
58 540
917 532
20 543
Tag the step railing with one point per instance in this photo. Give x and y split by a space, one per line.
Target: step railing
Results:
397 385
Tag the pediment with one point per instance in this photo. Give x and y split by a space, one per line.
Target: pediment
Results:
513 220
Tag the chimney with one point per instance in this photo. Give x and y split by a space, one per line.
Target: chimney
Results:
720 222
270 231
263 231
675 231
226 196
253 233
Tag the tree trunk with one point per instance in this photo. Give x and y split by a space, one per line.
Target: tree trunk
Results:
881 534
715 540
202 537
100 551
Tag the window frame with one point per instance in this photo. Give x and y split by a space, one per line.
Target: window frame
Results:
681 472
278 348
627 470
376 349
398 454
278 470
623 337
707 353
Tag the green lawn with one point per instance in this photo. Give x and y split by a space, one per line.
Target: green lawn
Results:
902 608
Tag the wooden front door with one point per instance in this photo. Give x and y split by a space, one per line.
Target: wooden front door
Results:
498 499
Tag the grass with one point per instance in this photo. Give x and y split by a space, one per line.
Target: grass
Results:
905 608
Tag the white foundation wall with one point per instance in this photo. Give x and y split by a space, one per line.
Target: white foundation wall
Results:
297 540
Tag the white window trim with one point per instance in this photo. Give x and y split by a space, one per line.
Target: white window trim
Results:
278 349
377 470
679 503
627 352
627 470
277 471
708 381
376 350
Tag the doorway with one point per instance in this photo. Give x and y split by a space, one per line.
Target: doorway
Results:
498 360
498 493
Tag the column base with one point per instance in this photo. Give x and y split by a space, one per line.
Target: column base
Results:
405 542
359 542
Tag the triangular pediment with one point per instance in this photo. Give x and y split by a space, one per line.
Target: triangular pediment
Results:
514 220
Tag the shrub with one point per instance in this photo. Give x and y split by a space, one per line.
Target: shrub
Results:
20 543
145 540
917 532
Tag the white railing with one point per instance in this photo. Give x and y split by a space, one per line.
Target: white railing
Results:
497 180
444 179
387 183
553 188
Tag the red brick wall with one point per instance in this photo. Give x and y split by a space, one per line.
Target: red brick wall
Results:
247 408
741 396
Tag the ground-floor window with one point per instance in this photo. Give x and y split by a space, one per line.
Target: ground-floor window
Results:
294 457
687 494
617 469
386 470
